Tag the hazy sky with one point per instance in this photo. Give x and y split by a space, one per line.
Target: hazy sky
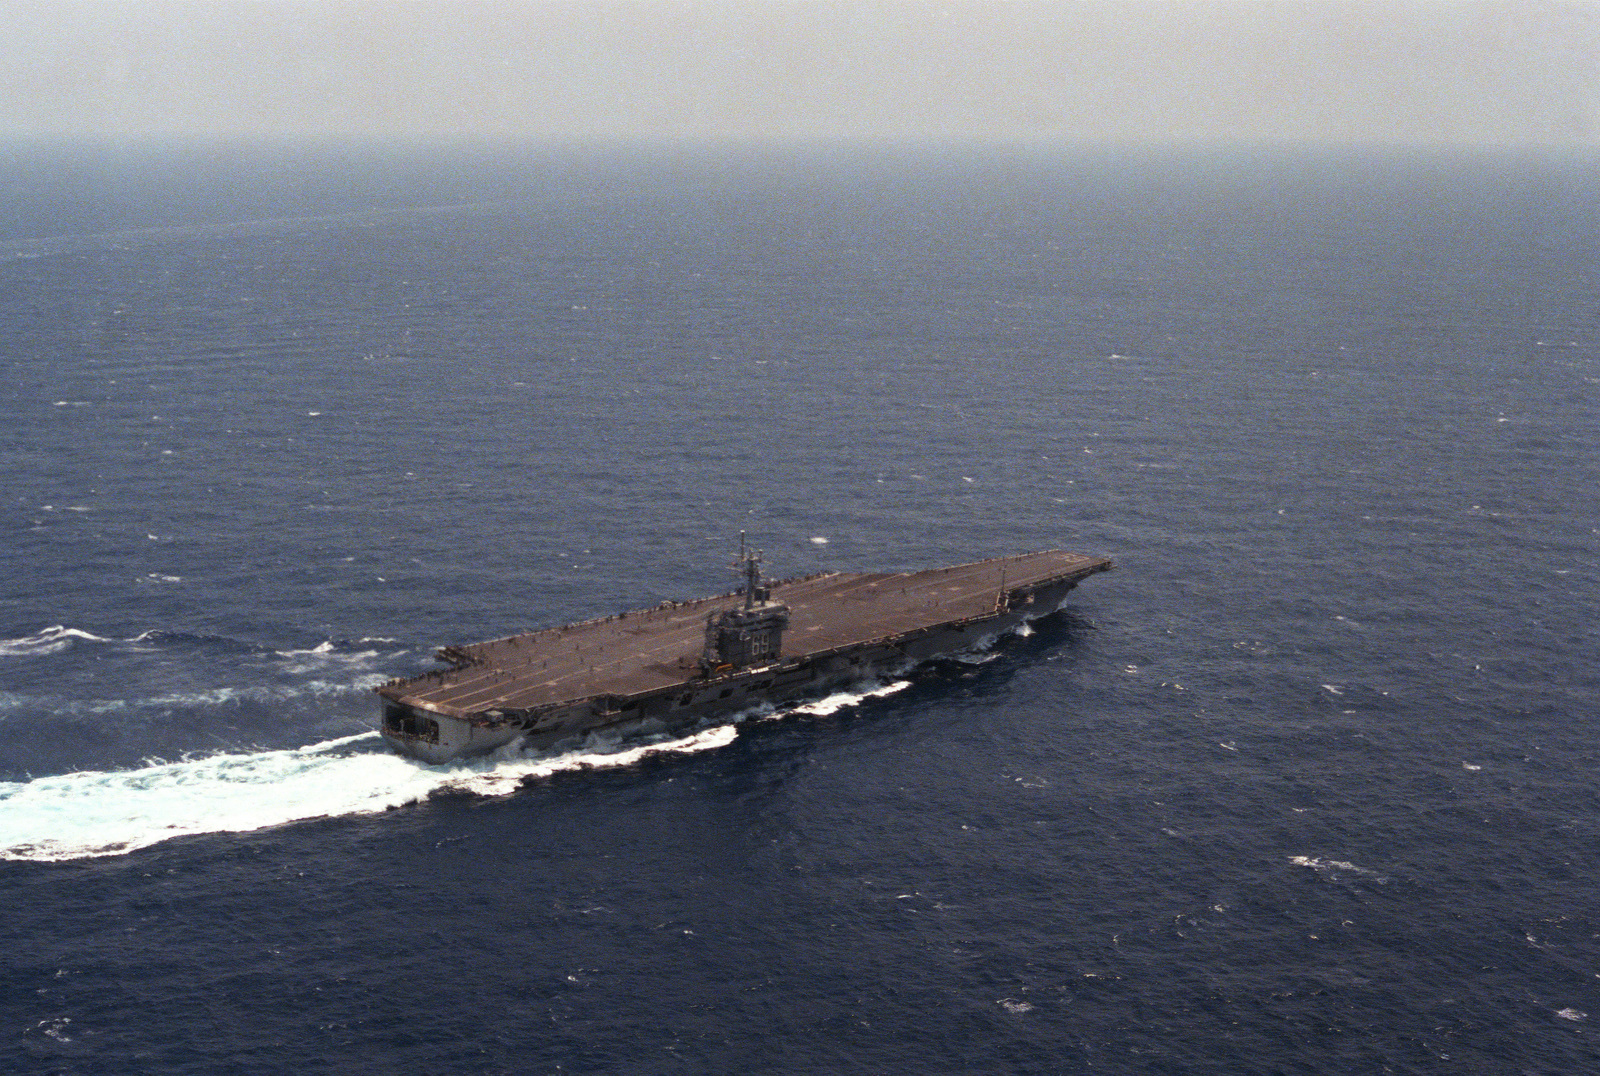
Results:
1133 70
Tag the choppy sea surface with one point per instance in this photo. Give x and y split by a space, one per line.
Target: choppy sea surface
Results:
1307 785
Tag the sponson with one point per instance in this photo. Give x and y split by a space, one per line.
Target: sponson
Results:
682 662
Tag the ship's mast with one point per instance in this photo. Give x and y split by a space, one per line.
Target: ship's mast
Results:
750 565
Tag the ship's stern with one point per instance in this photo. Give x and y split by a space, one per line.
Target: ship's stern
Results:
436 738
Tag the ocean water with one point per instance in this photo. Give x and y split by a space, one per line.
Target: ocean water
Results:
1307 785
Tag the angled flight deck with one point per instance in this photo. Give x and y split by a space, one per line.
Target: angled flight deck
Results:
825 628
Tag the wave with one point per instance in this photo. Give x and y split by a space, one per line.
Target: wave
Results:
59 636
199 699
1332 868
332 656
186 671
48 641
334 653
92 814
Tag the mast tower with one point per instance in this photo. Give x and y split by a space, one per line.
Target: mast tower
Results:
752 634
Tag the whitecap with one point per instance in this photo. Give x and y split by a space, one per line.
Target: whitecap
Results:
55 1029
47 641
329 653
325 647
1572 1014
1333 867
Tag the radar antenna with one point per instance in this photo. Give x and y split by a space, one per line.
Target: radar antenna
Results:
750 567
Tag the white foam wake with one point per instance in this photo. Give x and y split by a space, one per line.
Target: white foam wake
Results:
81 815
840 699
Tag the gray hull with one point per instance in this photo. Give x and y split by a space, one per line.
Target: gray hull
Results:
436 738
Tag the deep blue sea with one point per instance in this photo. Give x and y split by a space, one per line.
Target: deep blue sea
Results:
1308 785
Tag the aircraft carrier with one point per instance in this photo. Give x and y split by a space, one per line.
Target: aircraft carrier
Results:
681 662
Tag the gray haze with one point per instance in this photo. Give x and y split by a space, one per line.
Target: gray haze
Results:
1151 71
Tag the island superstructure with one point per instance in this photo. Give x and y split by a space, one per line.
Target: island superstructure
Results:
681 662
